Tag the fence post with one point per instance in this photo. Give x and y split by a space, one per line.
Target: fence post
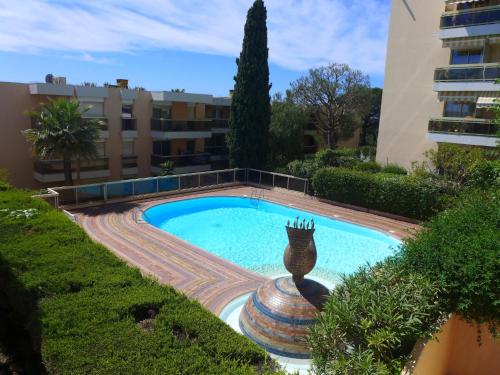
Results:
105 192
288 183
133 188
306 182
234 176
273 178
76 195
217 178
260 178
178 182
246 176
199 180
157 184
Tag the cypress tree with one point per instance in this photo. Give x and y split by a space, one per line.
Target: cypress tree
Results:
251 108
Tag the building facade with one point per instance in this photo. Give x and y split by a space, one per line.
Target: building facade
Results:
142 130
443 59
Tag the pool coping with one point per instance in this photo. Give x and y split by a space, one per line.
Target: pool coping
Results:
201 275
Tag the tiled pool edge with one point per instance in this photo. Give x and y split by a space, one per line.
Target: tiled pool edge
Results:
212 281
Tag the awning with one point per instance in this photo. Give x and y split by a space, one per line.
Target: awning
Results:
460 1
457 96
487 101
478 42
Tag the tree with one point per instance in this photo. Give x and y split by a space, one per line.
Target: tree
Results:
286 133
166 168
59 130
250 108
338 96
369 129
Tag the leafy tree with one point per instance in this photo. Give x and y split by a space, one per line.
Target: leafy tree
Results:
178 90
338 96
286 134
250 109
369 129
167 168
59 130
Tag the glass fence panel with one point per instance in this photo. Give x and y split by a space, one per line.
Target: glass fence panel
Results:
189 182
67 196
280 181
119 190
145 187
253 176
296 184
267 179
168 183
241 175
90 193
226 177
208 179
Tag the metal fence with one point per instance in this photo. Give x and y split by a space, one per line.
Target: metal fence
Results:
126 190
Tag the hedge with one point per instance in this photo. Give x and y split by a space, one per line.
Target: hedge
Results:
91 313
460 250
400 195
372 320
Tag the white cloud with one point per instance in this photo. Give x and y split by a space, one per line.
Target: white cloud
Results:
302 33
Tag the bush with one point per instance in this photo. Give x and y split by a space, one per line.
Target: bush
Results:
369 167
83 304
301 168
484 174
460 250
416 198
372 321
394 169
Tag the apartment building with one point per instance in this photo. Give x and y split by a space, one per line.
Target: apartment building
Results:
142 129
443 59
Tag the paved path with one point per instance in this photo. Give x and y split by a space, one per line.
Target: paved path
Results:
205 277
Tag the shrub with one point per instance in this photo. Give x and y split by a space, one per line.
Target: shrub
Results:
460 250
484 174
301 168
394 169
83 304
369 166
372 321
416 198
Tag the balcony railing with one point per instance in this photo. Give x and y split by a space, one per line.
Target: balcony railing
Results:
310 149
217 150
56 166
129 124
167 125
220 123
181 160
471 17
486 72
129 161
463 126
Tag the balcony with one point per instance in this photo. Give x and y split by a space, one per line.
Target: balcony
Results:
129 128
217 152
467 77
129 165
53 171
466 131
183 163
470 23
220 125
174 129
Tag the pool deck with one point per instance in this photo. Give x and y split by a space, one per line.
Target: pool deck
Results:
211 280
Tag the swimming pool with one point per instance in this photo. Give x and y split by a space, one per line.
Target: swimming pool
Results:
251 233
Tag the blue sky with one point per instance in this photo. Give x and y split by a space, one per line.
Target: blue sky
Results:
165 44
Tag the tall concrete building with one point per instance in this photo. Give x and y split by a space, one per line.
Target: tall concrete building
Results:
443 59
142 130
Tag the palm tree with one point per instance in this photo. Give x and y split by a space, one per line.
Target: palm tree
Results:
59 130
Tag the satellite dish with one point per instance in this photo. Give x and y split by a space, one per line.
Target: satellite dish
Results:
49 78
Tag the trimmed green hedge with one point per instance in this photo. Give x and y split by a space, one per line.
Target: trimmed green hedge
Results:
399 195
85 306
460 250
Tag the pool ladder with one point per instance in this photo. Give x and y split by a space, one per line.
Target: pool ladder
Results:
257 195
138 219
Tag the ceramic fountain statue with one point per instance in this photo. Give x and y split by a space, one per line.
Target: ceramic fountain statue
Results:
277 316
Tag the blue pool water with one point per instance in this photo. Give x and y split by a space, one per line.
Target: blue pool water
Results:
251 233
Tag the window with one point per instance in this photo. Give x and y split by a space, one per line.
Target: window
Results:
101 148
455 109
161 148
473 4
466 57
190 147
162 112
127 109
128 148
191 112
